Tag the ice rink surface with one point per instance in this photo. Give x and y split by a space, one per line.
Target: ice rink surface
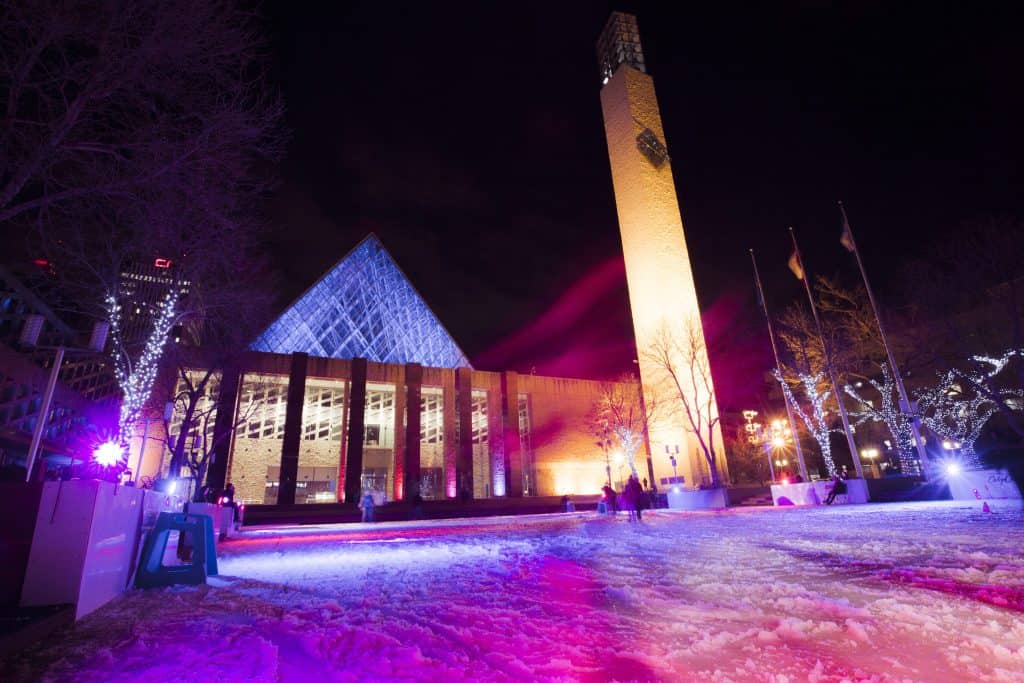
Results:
890 592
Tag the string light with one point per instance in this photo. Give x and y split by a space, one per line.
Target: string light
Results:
898 422
958 417
136 380
816 422
630 442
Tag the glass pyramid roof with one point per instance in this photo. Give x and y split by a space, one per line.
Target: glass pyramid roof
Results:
363 307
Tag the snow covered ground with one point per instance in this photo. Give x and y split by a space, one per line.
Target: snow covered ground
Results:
915 592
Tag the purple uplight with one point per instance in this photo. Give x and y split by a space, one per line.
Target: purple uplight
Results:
108 453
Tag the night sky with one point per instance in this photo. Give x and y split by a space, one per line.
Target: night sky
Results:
469 138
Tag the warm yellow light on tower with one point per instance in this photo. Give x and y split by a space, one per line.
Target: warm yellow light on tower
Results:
662 296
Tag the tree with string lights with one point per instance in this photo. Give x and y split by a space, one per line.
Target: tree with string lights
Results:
958 407
888 412
621 417
815 418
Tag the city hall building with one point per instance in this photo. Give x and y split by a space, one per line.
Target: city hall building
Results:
357 386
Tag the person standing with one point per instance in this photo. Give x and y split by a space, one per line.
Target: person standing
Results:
635 495
609 496
366 504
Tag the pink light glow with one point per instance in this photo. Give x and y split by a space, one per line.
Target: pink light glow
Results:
575 326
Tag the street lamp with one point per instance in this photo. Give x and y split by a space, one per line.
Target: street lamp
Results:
672 461
871 454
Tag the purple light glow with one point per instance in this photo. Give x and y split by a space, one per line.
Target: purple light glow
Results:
108 454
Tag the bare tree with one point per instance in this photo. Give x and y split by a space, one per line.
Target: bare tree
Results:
858 358
748 459
622 417
682 360
214 338
131 131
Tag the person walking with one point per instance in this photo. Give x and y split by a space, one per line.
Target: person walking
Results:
634 494
640 497
629 499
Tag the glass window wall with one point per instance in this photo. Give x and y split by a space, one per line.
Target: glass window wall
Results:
323 420
379 441
432 443
254 467
199 392
481 447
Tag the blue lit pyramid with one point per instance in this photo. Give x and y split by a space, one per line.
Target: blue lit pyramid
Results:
363 307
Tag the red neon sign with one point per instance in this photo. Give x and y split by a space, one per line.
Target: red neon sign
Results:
162 263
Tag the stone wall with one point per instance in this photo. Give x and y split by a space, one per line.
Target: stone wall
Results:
250 463
568 459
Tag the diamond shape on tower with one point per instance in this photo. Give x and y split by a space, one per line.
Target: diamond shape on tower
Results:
363 307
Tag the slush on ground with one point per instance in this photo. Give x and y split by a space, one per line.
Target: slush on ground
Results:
896 592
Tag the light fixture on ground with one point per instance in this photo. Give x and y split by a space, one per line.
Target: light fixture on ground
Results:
108 454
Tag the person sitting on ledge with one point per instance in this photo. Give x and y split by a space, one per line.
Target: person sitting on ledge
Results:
838 488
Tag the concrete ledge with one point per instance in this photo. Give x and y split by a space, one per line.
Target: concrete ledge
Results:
983 485
815 492
697 499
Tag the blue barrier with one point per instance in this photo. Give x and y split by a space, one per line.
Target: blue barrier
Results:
153 572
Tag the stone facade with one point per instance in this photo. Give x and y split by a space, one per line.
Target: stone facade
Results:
254 463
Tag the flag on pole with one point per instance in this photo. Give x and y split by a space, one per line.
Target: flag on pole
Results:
796 266
846 239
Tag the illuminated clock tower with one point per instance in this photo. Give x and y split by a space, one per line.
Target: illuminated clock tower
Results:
662 295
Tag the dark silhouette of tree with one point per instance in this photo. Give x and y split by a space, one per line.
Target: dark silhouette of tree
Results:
136 130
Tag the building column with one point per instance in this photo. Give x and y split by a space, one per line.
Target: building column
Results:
356 428
292 429
343 446
464 449
398 449
413 387
223 428
451 448
513 445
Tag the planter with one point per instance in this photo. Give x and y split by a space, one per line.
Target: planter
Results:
86 541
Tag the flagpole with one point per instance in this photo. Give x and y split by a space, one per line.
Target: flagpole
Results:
828 362
778 367
905 406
